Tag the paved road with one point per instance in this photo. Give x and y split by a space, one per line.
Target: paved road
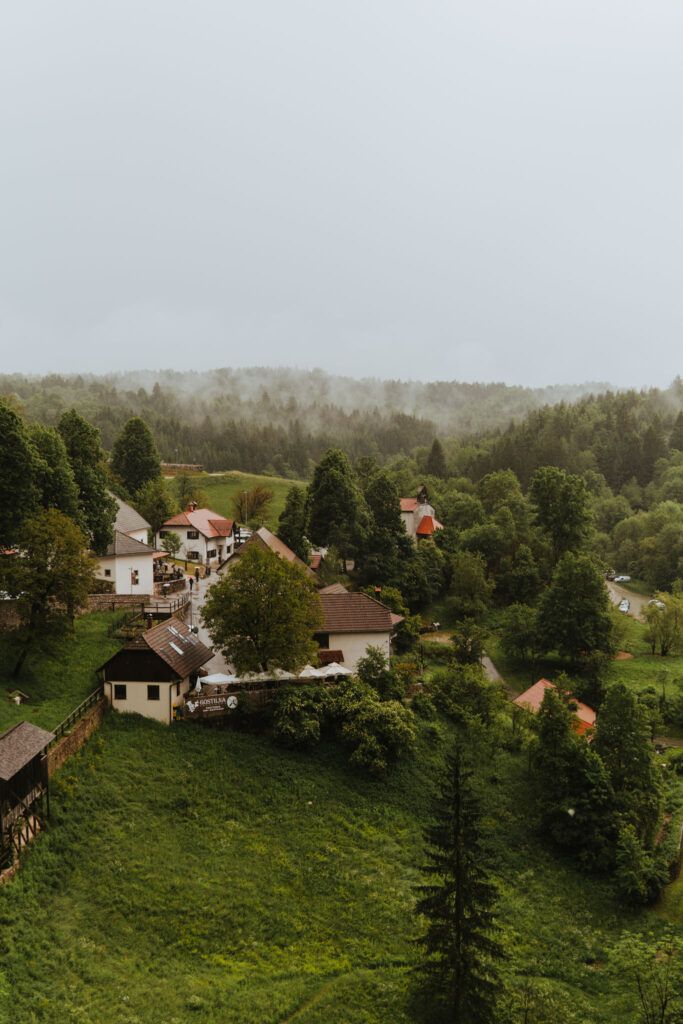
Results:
199 591
638 603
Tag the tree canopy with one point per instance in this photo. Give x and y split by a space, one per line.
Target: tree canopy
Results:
97 506
263 613
134 456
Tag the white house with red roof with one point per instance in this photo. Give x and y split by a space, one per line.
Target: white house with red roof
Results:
204 535
419 517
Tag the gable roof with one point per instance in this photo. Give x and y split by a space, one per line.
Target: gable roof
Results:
267 540
408 504
127 519
122 544
533 698
208 523
19 745
175 643
355 613
333 588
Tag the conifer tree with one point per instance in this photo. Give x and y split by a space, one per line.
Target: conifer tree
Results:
134 457
436 461
460 974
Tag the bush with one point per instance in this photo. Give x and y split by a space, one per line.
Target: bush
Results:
299 714
374 670
377 732
463 691
423 706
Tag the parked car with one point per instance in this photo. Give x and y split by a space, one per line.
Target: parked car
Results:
622 579
656 603
624 605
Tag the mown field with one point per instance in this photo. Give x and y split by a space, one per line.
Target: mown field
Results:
221 489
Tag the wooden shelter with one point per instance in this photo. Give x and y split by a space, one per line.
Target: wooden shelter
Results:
24 793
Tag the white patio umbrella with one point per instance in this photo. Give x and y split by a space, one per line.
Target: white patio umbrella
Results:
311 673
335 669
219 678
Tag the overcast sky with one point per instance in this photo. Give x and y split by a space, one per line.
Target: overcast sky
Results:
445 190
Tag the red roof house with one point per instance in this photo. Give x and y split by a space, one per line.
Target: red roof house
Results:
532 699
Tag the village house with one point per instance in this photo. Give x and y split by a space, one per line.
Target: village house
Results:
204 535
419 517
128 563
152 672
352 623
531 699
268 542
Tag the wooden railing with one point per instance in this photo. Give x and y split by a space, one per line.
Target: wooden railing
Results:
165 609
76 714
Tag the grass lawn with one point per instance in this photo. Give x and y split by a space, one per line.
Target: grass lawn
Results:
57 685
221 489
207 875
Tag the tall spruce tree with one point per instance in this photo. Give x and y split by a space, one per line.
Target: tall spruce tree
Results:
18 490
97 506
436 460
293 521
462 949
134 456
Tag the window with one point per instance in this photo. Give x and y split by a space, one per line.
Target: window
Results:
119 691
177 689
107 572
323 639
193 556
211 553
192 534
134 577
163 533
152 692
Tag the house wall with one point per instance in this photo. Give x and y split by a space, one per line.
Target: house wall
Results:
120 567
355 645
136 699
140 535
201 544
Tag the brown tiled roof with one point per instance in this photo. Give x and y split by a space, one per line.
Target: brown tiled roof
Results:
354 613
326 656
19 745
179 520
223 527
178 646
334 588
532 699
315 560
267 540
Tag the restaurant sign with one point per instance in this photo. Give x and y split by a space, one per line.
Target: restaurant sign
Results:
202 705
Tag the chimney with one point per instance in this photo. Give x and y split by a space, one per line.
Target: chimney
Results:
191 506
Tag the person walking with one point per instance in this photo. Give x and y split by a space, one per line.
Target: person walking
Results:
191 583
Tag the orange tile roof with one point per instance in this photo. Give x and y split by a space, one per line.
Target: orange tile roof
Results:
533 698
408 504
208 523
427 526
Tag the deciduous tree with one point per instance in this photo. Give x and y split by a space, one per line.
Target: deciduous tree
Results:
50 578
18 491
263 613
560 502
574 613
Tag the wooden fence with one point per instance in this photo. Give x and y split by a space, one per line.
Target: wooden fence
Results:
76 714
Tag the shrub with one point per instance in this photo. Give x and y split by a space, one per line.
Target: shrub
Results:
377 732
374 670
299 715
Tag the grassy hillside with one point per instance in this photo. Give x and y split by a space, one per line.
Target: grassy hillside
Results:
57 685
206 875
221 489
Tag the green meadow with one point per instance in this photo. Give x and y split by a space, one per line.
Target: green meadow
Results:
205 874
221 489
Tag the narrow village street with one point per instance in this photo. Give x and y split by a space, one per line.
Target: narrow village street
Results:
197 598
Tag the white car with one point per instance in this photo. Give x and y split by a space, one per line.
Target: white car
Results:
624 605
622 579
657 604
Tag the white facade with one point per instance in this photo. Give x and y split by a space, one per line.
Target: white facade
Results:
153 700
205 536
354 646
130 574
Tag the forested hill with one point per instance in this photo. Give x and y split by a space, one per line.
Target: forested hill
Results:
626 437
278 419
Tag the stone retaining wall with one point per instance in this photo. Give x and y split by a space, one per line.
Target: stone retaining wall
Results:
73 741
112 602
